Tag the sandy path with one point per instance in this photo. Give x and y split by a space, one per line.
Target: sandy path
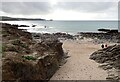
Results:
79 66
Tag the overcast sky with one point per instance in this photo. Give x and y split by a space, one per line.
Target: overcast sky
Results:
64 10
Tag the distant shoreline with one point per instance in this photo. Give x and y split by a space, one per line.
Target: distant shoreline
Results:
5 18
73 34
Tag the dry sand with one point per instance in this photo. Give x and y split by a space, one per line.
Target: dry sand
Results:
78 65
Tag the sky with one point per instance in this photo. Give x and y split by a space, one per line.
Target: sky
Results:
61 9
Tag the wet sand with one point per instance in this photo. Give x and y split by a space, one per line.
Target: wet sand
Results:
78 65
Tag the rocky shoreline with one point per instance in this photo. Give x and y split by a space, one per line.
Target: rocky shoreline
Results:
36 56
24 58
104 37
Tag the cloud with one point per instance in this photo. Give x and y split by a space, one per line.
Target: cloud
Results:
29 8
26 8
60 10
95 10
86 6
60 0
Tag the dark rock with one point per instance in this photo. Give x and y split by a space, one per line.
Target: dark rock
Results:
53 36
34 25
20 25
112 37
109 30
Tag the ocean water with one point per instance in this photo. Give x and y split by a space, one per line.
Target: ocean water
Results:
71 27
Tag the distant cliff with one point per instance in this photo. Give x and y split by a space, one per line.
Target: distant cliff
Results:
5 18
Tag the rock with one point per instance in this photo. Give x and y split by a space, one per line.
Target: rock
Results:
111 56
111 37
112 53
106 67
63 35
26 59
20 25
54 36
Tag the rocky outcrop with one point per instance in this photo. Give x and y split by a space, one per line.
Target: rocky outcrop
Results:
26 59
112 53
54 36
111 37
110 57
108 30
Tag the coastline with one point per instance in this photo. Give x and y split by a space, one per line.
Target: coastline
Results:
71 27
82 39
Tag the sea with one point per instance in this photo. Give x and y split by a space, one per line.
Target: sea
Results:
71 27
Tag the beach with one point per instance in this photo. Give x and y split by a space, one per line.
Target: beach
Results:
59 56
57 40
78 65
